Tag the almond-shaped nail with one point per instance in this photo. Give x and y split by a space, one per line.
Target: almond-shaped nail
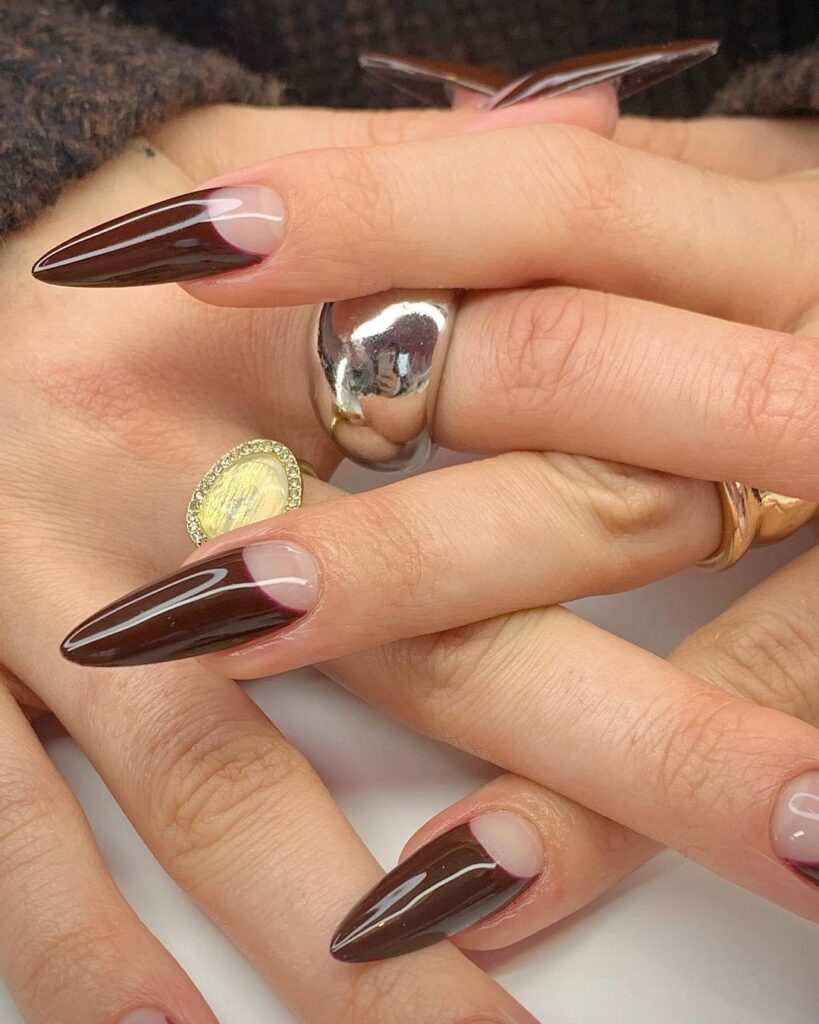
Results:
632 71
796 825
450 884
207 606
181 239
430 80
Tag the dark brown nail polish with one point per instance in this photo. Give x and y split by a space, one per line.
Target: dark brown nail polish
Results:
207 606
452 883
430 80
633 70
809 871
180 239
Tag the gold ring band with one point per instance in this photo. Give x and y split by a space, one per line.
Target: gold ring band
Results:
254 481
754 516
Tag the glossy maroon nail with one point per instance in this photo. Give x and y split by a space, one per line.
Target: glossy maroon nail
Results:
631 71
430 80
180 239
450 884
207 606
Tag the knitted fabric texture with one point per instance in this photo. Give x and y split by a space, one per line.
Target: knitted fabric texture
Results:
74 88
79 78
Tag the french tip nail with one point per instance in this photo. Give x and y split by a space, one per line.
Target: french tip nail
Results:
207 606
185 238
451 883
632 71
430 79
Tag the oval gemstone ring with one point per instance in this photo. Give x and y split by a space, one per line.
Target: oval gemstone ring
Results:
255 480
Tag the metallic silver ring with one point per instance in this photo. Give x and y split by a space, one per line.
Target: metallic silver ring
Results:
375 368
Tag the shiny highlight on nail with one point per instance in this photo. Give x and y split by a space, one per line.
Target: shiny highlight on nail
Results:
452 883
631 70
180 239
795 825
207 606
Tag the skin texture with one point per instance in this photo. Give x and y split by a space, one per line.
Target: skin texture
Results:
145 388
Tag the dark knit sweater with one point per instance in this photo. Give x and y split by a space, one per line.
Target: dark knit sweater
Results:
80 77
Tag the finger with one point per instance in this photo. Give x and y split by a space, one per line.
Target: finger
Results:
304 587
242 822
764 649
211 141
441 214
747 147
617 378
486 210
496 867
554 698
71 950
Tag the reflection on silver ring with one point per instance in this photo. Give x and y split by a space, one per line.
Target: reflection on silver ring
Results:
375 368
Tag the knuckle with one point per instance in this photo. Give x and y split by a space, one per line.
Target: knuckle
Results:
549 343
468 673
216 782
114 397
590 174
773 397
770 659
47 966
28 701
695 747
383 992
27 825
386 127
627 503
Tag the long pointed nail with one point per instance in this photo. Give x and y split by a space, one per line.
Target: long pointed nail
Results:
633 70
430 80
207 606
446 886
179 239
796 825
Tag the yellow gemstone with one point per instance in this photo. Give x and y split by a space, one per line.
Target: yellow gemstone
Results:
252 489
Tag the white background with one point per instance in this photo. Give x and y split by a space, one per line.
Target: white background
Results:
671 945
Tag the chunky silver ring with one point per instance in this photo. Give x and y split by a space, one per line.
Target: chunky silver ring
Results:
376 367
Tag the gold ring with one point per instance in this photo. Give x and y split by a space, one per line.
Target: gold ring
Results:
253 481
753 516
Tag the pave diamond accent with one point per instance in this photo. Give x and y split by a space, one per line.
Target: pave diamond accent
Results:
253 481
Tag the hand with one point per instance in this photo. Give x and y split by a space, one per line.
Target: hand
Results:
594 510
94 572
111 407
